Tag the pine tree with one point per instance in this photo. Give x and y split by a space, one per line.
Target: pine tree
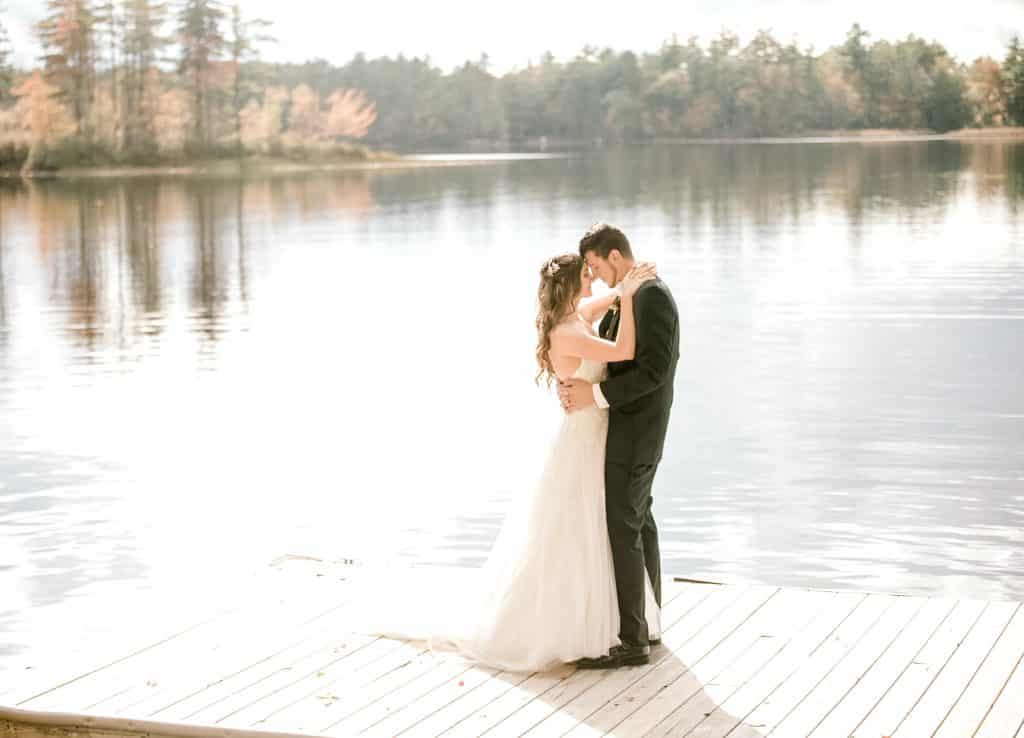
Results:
107 36
246 35
142 45
202 45
67 35
1013 76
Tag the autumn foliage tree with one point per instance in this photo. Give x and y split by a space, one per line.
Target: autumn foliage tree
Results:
41 115
350 114
985 92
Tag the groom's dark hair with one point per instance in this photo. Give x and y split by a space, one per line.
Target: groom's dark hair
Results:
602 239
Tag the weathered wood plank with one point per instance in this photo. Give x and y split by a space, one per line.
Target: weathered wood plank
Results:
953 678
217 704
443 679
687 612
204 643
470 713
265 675
912 683
783 661
178 681
491 715
174 680
336 681
736 660
684 674
686 702
855 661
698 640
458 710
824 659
455 682
28 724
336 700
1007 714
884 672
977 699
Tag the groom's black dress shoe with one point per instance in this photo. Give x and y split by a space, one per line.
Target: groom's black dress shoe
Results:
655 642
617 657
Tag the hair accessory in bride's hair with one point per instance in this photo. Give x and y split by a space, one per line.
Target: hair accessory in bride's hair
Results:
552 267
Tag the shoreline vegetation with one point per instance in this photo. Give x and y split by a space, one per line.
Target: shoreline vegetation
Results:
180 87
369 160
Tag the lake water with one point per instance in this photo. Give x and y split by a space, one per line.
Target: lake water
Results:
200 375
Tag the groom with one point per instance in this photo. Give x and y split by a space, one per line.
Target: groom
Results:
638 394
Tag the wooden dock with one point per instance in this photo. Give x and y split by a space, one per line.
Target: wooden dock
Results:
736 660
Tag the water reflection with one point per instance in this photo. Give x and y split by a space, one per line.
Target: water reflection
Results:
89 231
3 280
309 364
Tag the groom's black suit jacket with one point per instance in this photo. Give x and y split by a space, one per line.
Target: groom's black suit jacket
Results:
639 391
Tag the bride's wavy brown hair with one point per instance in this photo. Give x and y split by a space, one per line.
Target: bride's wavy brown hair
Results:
560 285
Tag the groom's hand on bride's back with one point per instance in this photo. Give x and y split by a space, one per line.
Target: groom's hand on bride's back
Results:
575 394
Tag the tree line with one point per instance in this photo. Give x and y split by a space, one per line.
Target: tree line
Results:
683 90
148 81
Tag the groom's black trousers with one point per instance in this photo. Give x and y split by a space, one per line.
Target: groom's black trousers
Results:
634 539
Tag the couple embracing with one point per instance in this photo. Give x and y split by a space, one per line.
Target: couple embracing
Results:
574 575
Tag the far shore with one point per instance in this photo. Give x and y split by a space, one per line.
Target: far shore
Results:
867 135
230 168
540 148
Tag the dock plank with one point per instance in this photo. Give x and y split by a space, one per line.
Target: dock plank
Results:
778 704
966 716
698 641
689 701
444 721
685 674
687 612
861 698
459 683
855 661
736 660
891 710
952 679
280 594
180 682
454 713
341 680
1007 714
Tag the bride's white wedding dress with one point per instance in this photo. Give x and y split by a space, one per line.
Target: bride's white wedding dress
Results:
546 594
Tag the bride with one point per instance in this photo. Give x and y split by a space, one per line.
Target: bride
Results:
546 594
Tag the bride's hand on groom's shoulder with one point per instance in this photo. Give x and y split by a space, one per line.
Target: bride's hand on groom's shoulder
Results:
643 271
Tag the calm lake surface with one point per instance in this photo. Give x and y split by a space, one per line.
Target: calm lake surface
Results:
200 375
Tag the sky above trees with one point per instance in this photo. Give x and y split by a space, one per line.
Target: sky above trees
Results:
513 34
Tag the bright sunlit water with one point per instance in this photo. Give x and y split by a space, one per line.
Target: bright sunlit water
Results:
200 375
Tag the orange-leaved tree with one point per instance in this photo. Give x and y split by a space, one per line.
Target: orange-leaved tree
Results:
41 115
349 114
